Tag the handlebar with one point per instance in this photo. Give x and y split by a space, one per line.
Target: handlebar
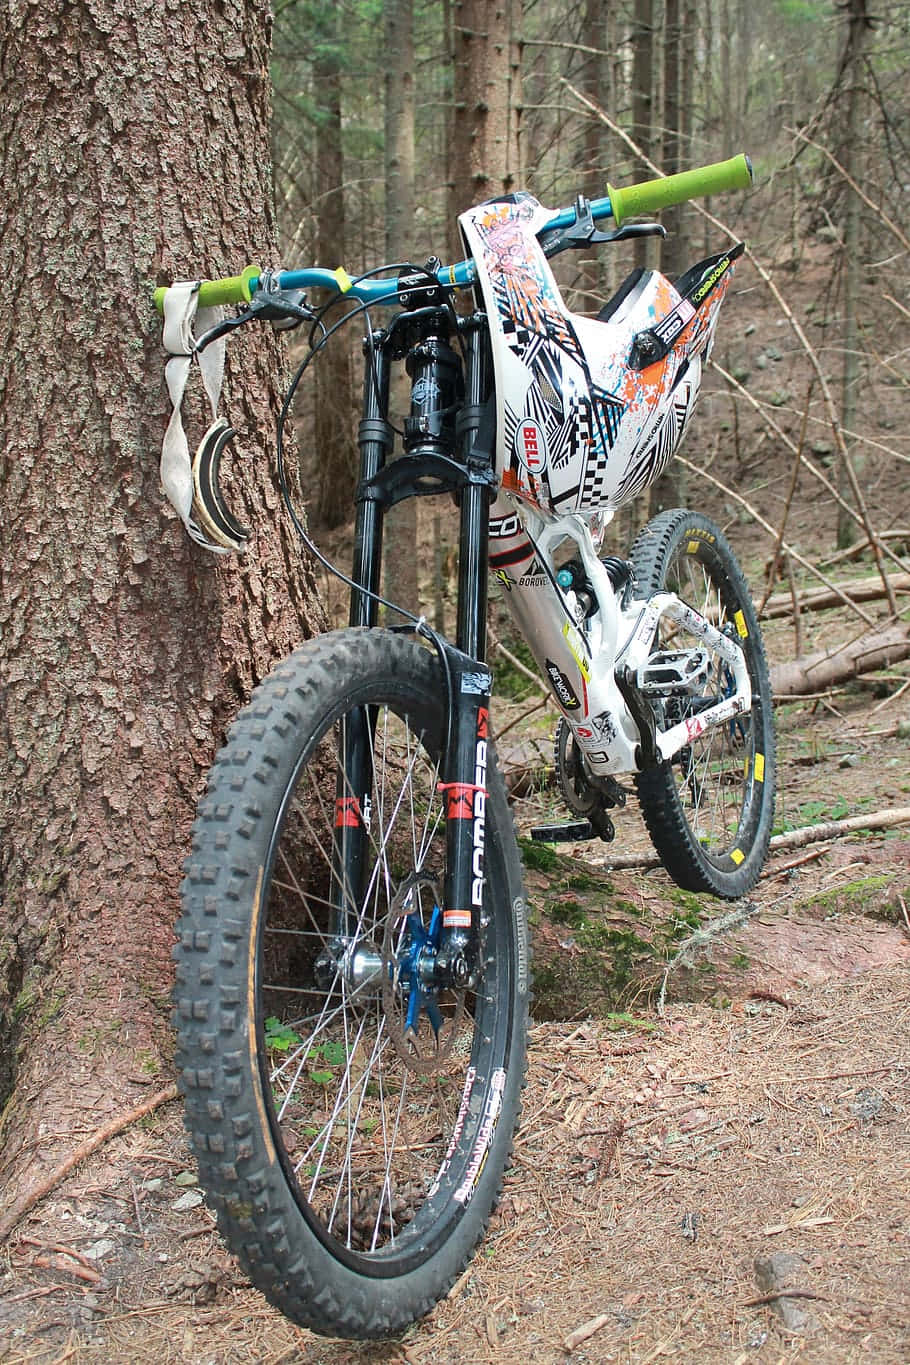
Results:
645 198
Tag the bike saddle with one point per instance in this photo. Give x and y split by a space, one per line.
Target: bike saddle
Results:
209 507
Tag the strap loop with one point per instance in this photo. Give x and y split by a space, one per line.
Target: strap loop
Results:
181 311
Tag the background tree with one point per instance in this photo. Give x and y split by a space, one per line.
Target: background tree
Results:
334 447
134 149
402 521
486 128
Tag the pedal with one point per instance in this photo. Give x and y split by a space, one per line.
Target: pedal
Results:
675 673
568 833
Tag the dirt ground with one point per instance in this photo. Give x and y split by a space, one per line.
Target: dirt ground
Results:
663 1155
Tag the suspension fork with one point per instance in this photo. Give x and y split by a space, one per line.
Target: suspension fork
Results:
465 775
428 466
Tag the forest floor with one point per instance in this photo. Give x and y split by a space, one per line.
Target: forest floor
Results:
718 1100
664 1153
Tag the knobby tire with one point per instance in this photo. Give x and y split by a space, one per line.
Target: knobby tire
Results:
709 810
352 1183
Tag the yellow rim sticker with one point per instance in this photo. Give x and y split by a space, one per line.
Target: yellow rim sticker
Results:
344 280
758 768
737 855
692 547
741 624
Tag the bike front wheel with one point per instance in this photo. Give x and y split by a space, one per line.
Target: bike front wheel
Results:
709 810
351 1123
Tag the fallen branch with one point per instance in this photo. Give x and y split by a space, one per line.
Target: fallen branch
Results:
817 672
833 829
784 1294
794 838
858 590
30 1197
760 520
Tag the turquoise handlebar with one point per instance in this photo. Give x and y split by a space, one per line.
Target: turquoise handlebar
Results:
646 198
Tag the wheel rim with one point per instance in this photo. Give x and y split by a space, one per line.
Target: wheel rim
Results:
714 775
365 1139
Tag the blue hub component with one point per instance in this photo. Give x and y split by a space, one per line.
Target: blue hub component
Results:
416 969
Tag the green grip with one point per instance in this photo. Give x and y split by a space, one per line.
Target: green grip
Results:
735 174
233 289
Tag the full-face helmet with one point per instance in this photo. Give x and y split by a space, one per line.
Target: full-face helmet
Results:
589 410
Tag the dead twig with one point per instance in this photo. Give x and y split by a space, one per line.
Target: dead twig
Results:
903 906
30 1197
856 589
515 661
586 1330
794 480
876 208
81 1272
732 920
783 1294
811 355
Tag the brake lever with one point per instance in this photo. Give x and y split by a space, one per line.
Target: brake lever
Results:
583 231
283 308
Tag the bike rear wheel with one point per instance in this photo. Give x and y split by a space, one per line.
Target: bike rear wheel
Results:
709 810
351 1128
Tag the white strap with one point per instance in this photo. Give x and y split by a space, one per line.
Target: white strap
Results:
180 311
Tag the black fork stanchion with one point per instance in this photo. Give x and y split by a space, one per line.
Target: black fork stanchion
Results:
355 745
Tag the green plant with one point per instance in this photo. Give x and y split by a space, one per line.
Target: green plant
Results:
540 857
279 1037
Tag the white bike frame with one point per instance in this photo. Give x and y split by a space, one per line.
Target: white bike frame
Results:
580 650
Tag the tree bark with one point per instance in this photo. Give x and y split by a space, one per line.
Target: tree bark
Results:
858 24
332 461
643 52
133 150
401 521
485 127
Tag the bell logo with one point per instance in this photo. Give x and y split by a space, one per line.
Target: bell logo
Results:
531 446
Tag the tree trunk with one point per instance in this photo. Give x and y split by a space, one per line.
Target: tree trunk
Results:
486 119
643 49
132 153
592 178
333 458
858 24
670 489
401 522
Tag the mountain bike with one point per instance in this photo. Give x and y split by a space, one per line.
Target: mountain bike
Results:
353 968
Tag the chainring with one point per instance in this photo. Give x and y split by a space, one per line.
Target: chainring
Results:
585 794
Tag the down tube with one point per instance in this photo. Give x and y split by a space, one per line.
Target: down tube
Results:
540 612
